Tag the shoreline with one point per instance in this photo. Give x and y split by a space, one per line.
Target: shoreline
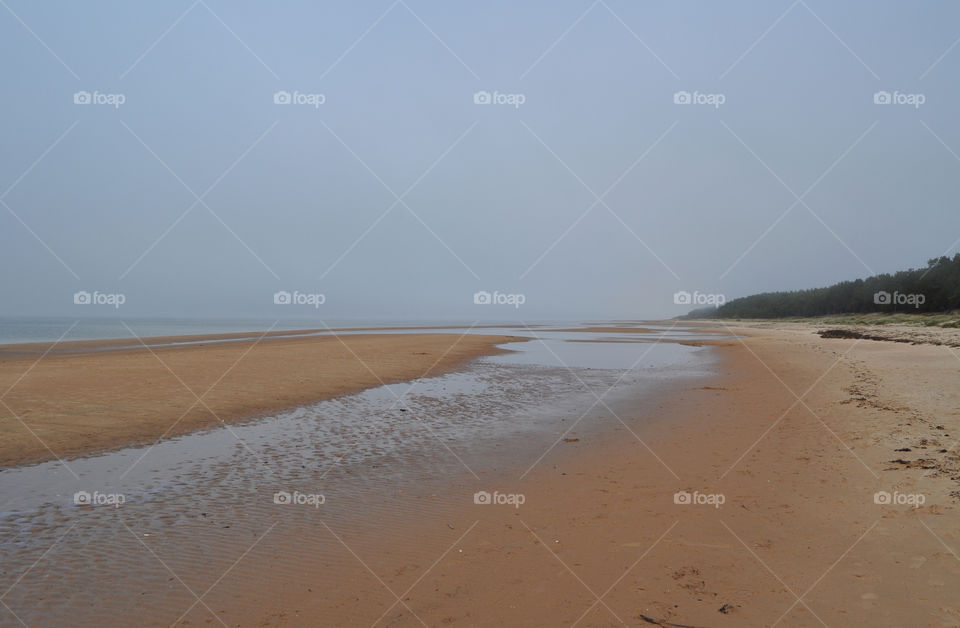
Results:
70 347
74 399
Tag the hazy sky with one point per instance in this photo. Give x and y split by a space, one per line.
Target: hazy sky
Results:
497 197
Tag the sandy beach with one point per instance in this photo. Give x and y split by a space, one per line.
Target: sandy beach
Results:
72 398
809 481
799 539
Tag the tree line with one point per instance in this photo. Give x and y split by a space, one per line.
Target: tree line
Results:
935 288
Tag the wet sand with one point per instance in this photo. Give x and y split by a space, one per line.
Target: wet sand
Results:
74 398
600 541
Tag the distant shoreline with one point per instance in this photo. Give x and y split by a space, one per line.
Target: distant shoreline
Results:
65 347
40 330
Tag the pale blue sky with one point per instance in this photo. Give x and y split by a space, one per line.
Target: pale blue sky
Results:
499 192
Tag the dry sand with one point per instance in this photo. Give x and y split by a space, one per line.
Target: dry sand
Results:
77 397
599 541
